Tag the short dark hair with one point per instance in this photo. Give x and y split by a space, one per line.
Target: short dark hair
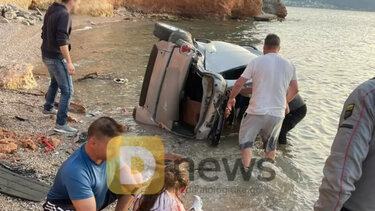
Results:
272 41
65 1
106 126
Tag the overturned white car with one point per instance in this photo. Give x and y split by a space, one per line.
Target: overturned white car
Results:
187 82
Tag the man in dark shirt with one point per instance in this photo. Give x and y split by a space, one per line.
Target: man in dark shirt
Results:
55 52
297 112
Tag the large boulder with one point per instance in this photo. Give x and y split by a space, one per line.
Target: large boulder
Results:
16 76
275 7
199 8
41 4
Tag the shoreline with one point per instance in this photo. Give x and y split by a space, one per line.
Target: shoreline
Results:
21 44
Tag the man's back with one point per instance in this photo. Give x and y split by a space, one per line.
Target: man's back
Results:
271 75
55 31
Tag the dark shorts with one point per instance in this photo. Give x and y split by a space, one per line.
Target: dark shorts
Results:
66 205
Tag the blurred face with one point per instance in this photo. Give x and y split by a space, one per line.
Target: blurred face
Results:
73 5
99 146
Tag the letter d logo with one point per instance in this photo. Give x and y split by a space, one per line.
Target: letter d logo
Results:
149 165
135 165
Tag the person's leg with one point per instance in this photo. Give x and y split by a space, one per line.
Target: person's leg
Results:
64 81
249 129
290 121
64 205
271 155
247 155
286 127
270 133
123 201
53 87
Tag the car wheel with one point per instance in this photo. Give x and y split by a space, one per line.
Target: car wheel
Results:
170 33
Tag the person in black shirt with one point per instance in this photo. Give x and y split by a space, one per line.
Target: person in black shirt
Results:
298 110
55 53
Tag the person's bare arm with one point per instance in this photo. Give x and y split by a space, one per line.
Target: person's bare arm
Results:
235 91
124 202
293 91
65 52
88 204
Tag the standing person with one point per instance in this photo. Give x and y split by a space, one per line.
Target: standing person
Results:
349 173
55 52
81 182
271 75
298 110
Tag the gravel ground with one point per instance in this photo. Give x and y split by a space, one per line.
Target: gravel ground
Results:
21 44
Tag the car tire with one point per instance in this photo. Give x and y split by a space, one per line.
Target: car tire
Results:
180 35
166 32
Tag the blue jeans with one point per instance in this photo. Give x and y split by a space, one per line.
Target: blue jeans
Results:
60 79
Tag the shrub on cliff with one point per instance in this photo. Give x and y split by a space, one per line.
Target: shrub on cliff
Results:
95 8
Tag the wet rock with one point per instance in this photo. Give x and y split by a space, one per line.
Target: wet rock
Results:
266 17
275 7
17 76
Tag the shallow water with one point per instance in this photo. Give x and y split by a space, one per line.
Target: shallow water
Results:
333 52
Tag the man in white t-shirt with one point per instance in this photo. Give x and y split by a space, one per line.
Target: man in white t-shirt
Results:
272 77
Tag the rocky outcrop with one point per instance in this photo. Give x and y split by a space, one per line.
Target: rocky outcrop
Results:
40 4
12 13
189 8
199 8
20 3
275 7
17 76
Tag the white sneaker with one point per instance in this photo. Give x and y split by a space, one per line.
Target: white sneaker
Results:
65 129
51 112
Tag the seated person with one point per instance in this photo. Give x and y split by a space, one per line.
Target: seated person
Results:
81 182
169 198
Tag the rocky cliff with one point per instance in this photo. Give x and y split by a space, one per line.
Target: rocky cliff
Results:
275 7
189 8
199 8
